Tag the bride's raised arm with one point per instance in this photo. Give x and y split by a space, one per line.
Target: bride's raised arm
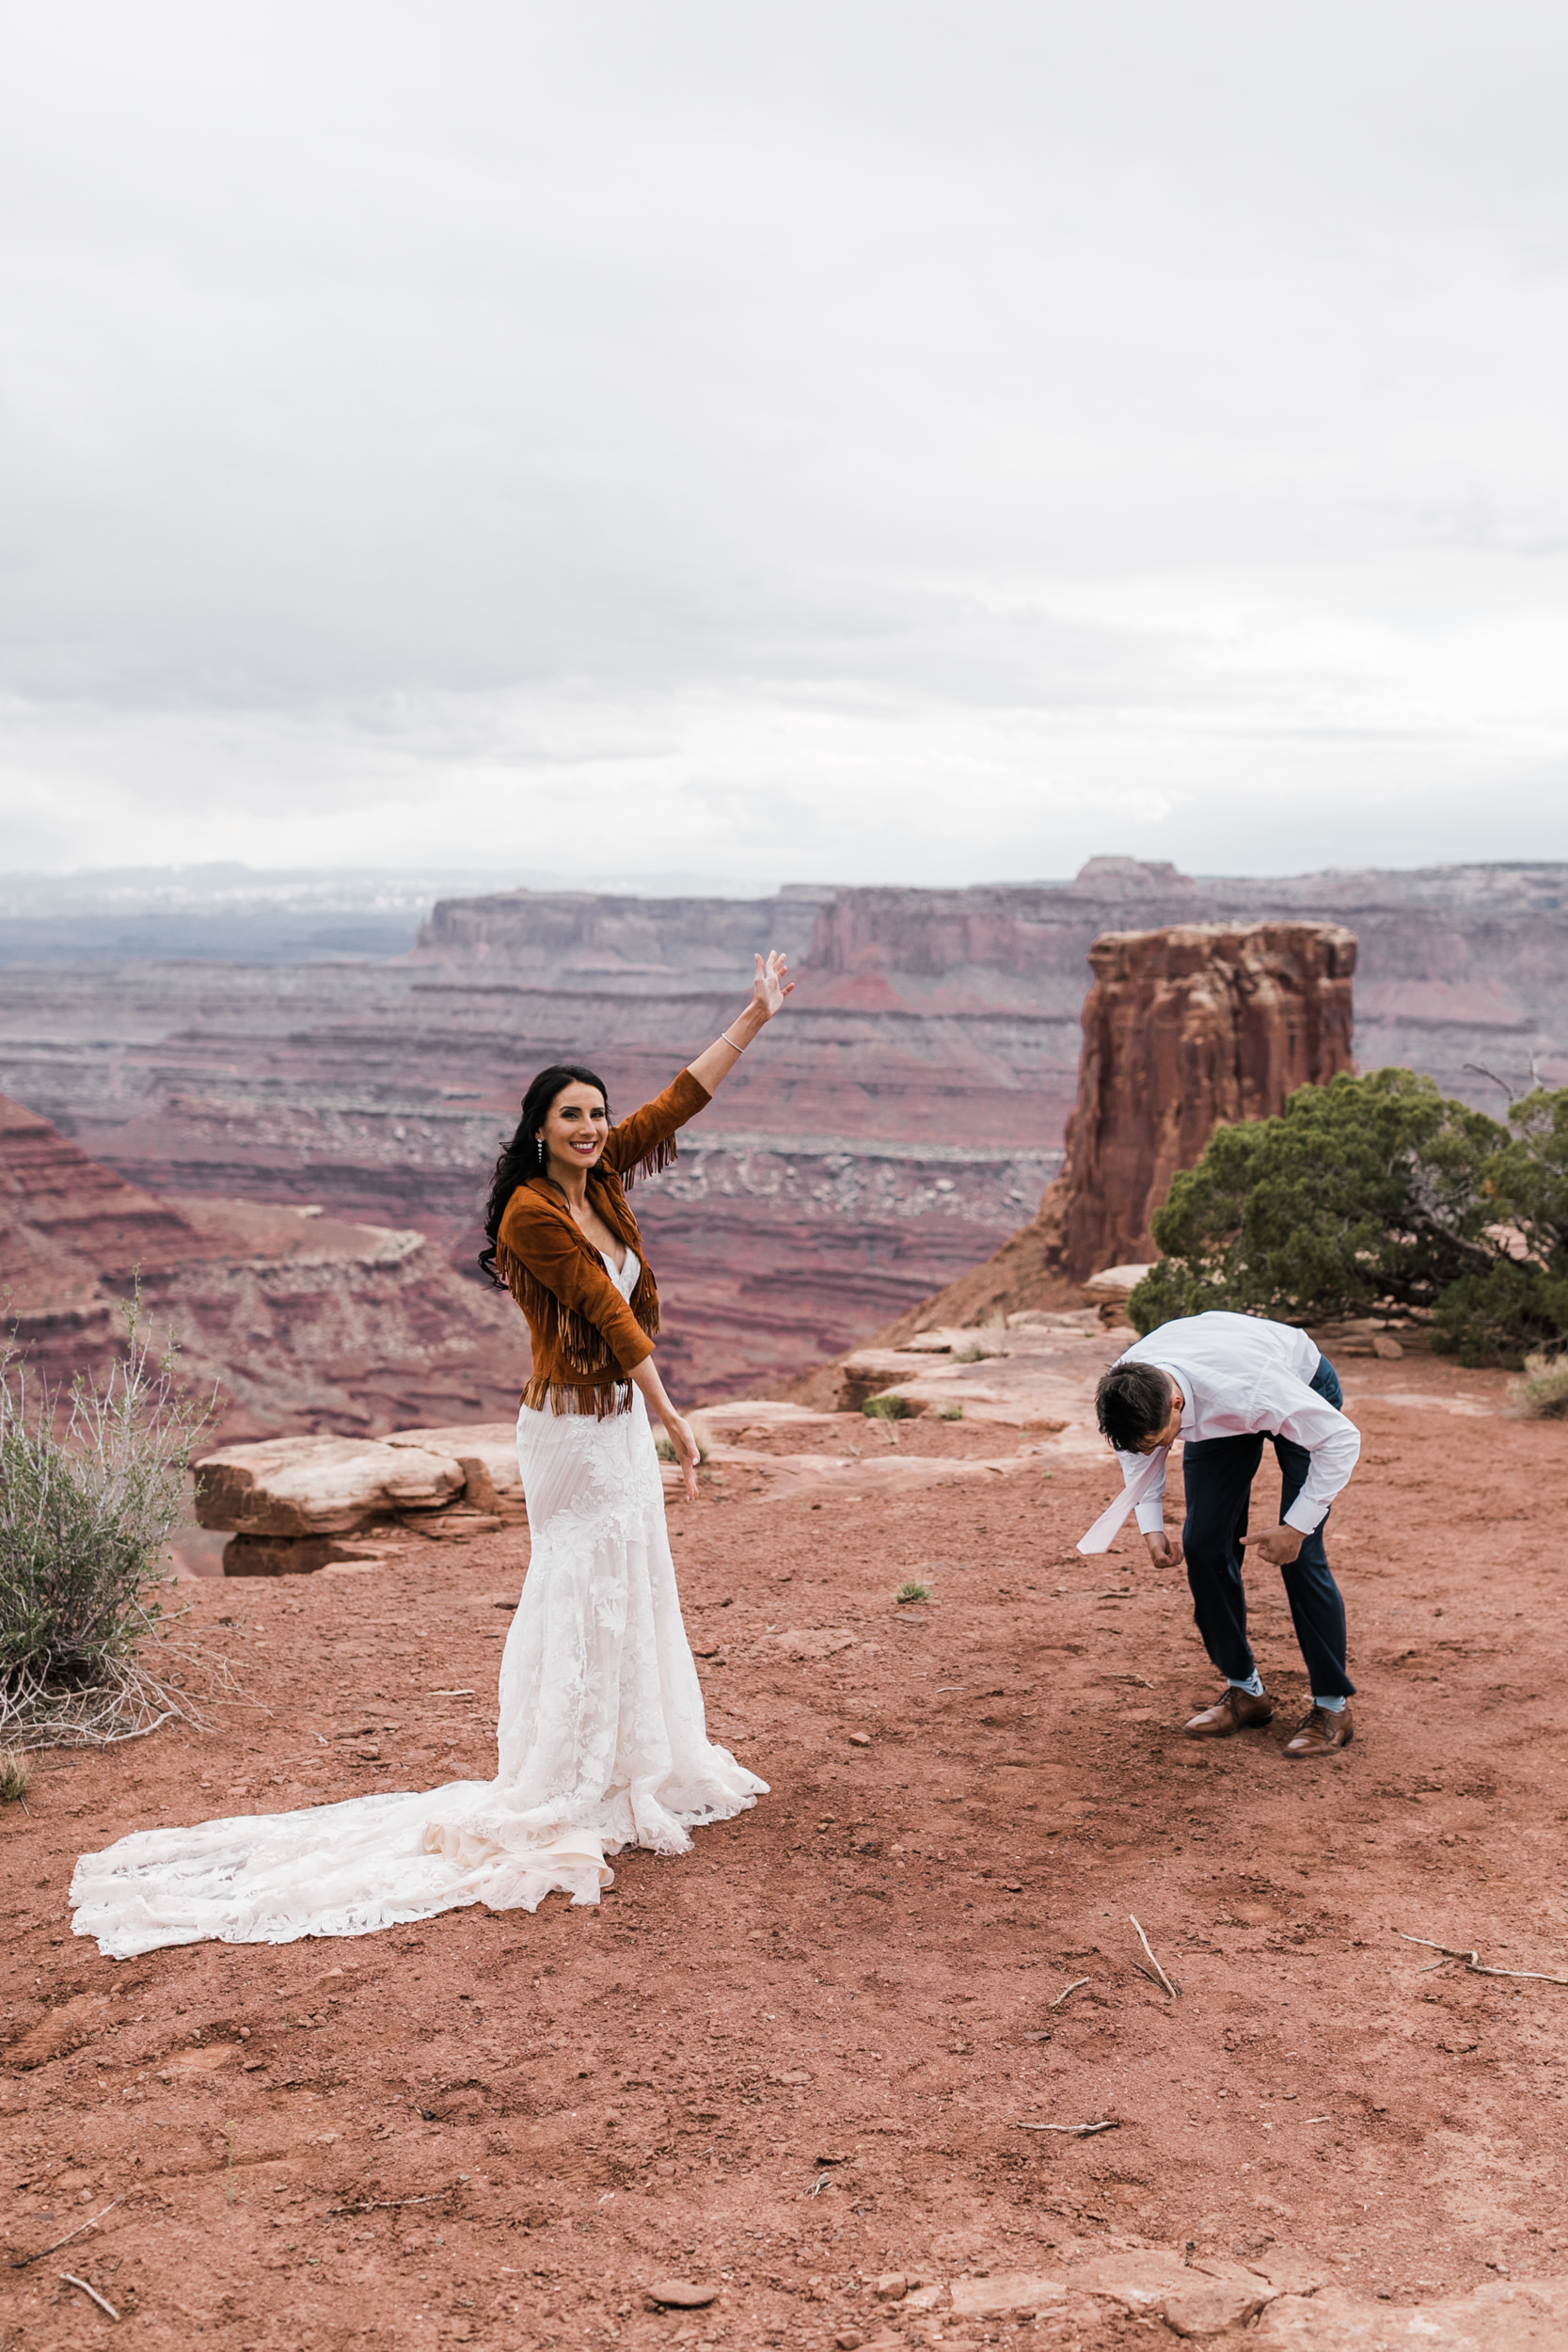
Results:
768 990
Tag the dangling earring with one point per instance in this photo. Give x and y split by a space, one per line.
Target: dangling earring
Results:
539 1147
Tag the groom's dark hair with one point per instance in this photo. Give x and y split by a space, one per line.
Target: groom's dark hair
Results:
1131 1401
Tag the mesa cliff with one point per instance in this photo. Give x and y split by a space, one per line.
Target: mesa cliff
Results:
889 1132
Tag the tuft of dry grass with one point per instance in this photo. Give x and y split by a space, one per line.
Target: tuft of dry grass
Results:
699 1429
15 1776
1544 1390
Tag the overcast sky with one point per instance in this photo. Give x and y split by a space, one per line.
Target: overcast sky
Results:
843 442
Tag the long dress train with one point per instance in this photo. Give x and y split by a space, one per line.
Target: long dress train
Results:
602 1743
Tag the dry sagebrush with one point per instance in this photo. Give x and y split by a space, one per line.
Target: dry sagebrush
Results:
91 1483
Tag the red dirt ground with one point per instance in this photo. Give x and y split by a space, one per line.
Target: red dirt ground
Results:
797 2058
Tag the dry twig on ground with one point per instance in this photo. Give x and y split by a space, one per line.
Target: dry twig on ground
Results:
1174 1990
1073 2131
1474 1965
20 2262
1065 1990
71 2281
380 2204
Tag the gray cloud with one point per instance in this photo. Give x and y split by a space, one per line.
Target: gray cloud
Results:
952 442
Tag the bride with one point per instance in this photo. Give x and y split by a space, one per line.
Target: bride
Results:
602 1738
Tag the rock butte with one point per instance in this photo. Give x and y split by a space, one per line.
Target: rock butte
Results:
1184 1028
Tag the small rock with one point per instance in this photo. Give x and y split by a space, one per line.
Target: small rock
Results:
679 2294
859 1738
892 2287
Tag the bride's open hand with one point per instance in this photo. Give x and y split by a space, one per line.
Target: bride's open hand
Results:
773 984
679 1434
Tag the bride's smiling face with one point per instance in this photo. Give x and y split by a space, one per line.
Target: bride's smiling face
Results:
575 1129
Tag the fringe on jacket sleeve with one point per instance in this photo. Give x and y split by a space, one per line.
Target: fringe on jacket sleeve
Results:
575 1368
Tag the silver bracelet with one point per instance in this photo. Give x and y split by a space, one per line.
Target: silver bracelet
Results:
730 1042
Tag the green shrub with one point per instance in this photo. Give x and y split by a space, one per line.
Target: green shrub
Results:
887 1409
951 1412
92 1484
912 1592
1372 1195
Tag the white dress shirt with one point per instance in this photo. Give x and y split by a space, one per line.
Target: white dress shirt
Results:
1239 1374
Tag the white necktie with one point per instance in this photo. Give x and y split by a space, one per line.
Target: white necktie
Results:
1103 1533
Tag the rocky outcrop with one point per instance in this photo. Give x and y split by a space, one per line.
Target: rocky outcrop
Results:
1184 1030
288 1503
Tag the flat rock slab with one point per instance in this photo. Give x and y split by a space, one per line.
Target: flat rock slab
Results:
319 1485
484 1451
1531 2315
1009 2291
1200 2301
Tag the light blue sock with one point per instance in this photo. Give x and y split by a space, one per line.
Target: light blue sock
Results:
1330 1706
1252 1685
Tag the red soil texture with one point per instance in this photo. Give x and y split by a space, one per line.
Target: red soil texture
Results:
800 2057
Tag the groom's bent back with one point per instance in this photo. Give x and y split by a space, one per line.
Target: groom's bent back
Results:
1222 1384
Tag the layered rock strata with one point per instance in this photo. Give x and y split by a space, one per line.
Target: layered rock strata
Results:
291 1506
868 1148
291 1319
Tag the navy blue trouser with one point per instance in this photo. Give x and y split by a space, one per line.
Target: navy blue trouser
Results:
1218 1476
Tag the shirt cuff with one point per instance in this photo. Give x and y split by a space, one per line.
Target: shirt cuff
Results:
1305 1518
1150 1516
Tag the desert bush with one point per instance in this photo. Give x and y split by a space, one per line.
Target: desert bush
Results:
912 1592
887 1409
91 1483
15 1776
1372 1195
1544 1390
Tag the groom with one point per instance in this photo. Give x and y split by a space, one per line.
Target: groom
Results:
1222 1383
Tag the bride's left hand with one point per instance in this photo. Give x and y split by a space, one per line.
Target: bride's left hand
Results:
773 984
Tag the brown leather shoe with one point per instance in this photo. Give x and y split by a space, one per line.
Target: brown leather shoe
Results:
1324 1733
1238 1711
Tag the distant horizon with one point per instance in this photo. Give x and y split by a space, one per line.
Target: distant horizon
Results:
685 885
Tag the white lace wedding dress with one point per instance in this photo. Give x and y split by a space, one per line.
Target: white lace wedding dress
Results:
602 1741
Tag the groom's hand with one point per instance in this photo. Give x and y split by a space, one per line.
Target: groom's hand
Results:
1164 1551
1280 1547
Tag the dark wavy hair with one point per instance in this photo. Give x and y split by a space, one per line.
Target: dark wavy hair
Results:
521 1157
1131 1402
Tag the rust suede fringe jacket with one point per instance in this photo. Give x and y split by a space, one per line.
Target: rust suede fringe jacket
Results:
586 1338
